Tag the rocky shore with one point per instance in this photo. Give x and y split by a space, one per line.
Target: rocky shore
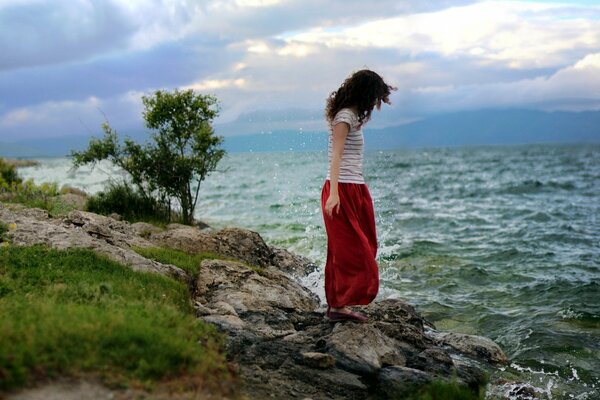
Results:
277 337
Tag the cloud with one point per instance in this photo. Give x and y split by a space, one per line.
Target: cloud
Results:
72 118
273 56
34 33
575 88
514 34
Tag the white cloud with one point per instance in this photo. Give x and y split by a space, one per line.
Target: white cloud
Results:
514 34
213 84
573 88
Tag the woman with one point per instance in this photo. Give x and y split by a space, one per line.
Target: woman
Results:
351 273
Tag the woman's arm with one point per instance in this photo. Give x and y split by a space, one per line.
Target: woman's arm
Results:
340 131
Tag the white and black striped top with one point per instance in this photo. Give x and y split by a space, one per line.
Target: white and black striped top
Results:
351 166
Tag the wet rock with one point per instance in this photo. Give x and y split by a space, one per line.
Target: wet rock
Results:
475 346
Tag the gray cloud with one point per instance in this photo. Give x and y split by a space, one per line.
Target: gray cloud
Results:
69 59
59 31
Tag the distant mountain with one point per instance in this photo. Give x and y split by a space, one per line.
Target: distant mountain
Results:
485 127
490 127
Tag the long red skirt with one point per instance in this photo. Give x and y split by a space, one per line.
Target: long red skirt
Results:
351 273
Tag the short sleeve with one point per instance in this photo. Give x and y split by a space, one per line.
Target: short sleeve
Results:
344 115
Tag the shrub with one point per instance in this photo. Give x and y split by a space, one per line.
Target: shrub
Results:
8 175
129 203
184 149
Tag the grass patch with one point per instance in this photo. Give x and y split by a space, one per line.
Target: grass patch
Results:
445 391
190 263
66 312
187 261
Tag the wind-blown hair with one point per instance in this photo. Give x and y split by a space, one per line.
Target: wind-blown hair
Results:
363 90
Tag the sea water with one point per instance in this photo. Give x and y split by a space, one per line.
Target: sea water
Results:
502 242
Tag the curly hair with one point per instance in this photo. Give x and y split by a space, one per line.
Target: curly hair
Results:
363 90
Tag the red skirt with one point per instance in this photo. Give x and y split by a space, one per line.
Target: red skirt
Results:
351 273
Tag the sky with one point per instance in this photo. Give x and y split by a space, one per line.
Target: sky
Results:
67 65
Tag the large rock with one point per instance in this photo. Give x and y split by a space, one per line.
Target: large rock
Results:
397 382
80 229
232 243
364 349
292 264
477 347
263 295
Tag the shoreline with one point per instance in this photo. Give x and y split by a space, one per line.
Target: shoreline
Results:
272 323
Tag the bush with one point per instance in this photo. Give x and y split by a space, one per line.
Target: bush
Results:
130 204
184 149
8 175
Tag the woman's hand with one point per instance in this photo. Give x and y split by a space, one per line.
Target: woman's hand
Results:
333 203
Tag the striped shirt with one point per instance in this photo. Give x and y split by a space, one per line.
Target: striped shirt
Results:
351 165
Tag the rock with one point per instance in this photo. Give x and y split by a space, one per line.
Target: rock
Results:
233 243
432 360
244 245
245 290
362 348
145 229
65 390
80 229
318 360
291 263
474 346
399 382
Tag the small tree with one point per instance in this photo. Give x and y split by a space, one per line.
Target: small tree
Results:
184 151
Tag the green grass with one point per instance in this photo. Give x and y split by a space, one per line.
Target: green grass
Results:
72 312
186 261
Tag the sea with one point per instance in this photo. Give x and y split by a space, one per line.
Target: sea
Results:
502 242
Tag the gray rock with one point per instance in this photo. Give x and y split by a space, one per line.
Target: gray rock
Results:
433 360
80 229
247 290
362 348
477 347
233 243
144 229
292 264
398 382
318 360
